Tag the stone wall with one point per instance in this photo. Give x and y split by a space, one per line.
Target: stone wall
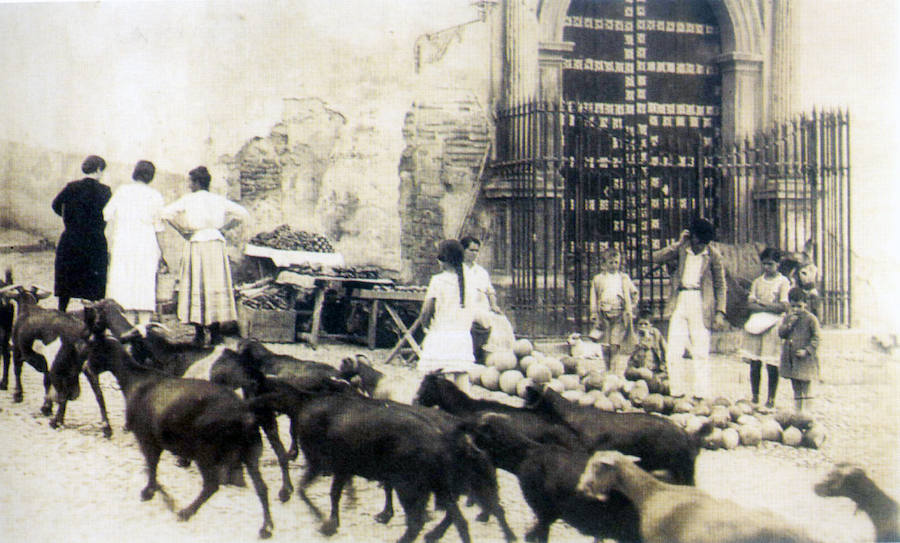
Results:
447 136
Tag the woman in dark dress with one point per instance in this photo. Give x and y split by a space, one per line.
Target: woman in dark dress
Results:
81 255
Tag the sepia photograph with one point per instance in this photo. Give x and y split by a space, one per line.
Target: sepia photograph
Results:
450 270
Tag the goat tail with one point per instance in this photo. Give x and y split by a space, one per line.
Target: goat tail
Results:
8 277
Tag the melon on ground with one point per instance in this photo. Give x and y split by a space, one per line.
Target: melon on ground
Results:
571 382
556 367
526 361
522 385
522 347
539 373
771 430
502 360
730 438
490 378
604 404
555 385
509 379
792 436
750 434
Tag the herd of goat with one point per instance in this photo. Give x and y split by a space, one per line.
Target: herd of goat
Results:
621 476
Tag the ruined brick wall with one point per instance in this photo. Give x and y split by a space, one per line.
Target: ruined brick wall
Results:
447 135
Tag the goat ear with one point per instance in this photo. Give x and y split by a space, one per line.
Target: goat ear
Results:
360 357
634 459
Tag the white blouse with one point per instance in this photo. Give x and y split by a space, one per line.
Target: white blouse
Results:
203 213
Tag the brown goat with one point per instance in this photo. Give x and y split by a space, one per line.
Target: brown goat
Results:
35 323
851 481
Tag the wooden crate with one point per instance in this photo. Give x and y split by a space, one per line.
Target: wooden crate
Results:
267 325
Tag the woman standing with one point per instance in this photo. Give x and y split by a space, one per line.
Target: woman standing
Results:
81 255
205 292
134 218
447 319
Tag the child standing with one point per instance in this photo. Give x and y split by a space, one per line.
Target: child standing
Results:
767 301
799 361
649 353
612 301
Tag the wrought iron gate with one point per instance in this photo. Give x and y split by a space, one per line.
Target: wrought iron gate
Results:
575 188
790 188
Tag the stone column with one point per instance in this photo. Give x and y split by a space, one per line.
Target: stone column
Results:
781 63
520 32
742 112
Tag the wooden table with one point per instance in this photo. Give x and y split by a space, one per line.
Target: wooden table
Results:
386 297
322 283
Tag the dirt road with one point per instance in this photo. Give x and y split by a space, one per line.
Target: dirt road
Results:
73 485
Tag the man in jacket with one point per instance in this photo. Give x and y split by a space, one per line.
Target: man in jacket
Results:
696 303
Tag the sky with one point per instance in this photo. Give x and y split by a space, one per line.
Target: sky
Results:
174 80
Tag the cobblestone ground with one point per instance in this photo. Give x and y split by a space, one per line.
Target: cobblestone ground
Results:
73 485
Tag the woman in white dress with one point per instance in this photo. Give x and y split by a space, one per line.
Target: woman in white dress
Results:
133 227
205 291
447 319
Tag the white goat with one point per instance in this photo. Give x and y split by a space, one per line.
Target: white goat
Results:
681 514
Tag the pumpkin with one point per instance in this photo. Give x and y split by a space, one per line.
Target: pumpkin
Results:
744 420
735 412
713 440
720 417
594 380
522 385
681 419
653 403
556 367
784 417
502 360
730 438
539 373
490 378
751 434
814 436
792 436
801 420
702 409
618 400
570 363
694 424
526 361
475 373
604 404
611 382
555 385
572 395
522 347
771 430
682 406
724 402
571 382
585 400
509 379
639 392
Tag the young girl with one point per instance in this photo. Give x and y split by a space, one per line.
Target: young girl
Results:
612 303
448 343
799 361
767 300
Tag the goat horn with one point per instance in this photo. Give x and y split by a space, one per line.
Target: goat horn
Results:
9 288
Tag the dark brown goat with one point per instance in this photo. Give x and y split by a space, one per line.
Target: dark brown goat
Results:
852 482
191 418
35 323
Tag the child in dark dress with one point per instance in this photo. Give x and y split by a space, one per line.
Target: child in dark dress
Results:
799 359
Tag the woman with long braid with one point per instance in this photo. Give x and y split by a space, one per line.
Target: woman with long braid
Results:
447 319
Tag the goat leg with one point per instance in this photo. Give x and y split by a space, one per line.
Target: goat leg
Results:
151 457
414 503
4 383
18 393
540 532
210 486
47 406
388 512
270 427
330 526
262 491
94 381
308 476
57 420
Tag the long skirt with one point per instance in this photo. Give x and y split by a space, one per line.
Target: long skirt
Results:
205 292
765 346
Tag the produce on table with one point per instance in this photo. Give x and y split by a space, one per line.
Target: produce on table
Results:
502 360
286 238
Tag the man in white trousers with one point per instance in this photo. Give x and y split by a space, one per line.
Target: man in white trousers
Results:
696 303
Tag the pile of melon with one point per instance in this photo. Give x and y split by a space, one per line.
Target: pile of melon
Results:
585 381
